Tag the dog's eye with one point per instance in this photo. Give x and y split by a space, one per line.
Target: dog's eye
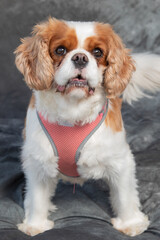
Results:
97 52
61 50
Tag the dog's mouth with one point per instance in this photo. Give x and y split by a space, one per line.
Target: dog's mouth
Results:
75 83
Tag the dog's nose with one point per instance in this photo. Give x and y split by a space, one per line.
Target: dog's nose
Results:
80 60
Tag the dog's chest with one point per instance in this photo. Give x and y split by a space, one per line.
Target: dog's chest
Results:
68 142
100 152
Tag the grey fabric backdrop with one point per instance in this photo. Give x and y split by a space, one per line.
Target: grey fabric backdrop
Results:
86 214
137 22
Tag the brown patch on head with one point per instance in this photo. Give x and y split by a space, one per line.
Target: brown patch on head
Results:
118 65
67 39
95 42
35 56
114 117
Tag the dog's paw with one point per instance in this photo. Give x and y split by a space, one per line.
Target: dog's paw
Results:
34 229
131 227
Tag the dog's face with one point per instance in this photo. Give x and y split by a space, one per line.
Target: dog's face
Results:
75 58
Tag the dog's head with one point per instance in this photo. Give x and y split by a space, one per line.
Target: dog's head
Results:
75 58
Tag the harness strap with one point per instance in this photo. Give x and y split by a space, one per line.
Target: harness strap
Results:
67 142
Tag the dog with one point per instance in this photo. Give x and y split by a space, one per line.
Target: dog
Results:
79 73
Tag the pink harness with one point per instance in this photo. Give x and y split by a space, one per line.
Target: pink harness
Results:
67 142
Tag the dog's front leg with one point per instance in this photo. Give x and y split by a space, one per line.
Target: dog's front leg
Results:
37 203
124 198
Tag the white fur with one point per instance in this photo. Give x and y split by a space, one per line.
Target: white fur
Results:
83 30
66 109
105 156
91 73
145 78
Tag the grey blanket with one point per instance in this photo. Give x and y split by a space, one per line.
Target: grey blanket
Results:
85 214
88 211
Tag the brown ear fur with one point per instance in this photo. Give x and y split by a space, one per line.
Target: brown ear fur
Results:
120 64
34 62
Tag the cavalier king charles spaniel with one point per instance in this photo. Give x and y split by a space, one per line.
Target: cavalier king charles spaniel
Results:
79 73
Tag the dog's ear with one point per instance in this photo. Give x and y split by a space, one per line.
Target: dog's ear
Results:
34 62
119 63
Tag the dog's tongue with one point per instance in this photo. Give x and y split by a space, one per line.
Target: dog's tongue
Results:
60 88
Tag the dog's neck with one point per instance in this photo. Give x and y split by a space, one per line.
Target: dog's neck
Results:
60 108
